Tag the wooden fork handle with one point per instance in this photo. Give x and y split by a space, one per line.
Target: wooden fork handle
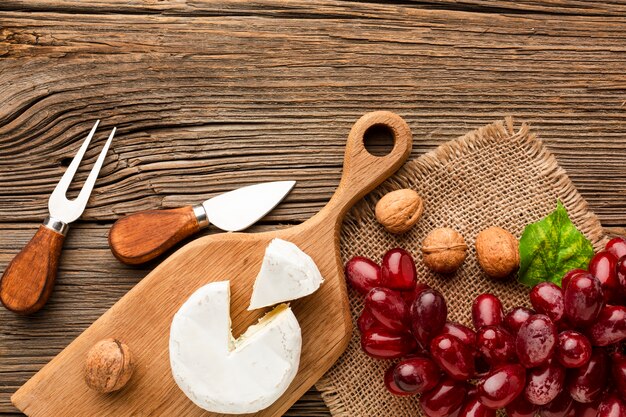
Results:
27 281
143 236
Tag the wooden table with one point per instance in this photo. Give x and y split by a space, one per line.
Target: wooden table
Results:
209 96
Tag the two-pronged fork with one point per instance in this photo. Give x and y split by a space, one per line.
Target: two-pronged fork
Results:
28 280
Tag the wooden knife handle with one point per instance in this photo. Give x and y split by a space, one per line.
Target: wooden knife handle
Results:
27 281
143 236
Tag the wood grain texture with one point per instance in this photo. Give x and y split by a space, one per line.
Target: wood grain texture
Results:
191 101
322 8
28 280
211 96
142 317
143 236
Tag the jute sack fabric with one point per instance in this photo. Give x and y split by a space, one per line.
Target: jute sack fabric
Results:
493 176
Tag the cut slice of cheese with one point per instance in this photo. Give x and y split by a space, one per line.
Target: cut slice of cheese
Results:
224 375
287 273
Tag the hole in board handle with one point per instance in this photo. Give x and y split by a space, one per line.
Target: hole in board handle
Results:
379 140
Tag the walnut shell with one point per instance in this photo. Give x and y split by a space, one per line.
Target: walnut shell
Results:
497 251
444 250
109 366
399 210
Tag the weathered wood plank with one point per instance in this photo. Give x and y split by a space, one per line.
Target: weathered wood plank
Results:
328 8
210 96
199 113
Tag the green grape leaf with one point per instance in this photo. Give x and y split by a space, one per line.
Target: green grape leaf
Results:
551 247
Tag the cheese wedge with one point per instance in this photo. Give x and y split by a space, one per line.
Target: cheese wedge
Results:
224 375
287 273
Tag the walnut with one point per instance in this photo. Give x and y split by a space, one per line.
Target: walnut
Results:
497 252
399 210
444 250
109 366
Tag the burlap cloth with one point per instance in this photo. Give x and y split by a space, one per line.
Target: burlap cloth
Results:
493 176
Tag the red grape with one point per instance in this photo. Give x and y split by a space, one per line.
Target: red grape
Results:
388 308
444 399
363 274
501 386
391 385
398 270
547 298
428 315
573 349
455 413
455 358
496 345
585 384
521 408
383 344
536 341
610 326
583 300
410 295
569 275
543 384
403 318
618 361
604 267
612 406
586 410
416 375
474 408
561 406
617 247
621 276
463 333
486 311
367 321
516 317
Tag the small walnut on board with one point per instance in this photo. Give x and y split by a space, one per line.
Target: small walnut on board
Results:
444 250
498 252
109 366
399 210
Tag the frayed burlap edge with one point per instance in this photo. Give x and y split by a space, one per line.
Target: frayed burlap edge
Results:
331 398
503 130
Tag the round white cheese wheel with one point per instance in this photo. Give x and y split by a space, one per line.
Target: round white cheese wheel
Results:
223 375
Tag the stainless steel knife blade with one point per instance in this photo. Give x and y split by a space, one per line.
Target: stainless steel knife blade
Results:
240 208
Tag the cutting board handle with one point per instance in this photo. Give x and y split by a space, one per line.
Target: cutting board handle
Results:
362 171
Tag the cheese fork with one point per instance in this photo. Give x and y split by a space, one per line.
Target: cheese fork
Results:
27 281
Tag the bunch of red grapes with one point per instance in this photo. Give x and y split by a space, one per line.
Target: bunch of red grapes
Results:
564 358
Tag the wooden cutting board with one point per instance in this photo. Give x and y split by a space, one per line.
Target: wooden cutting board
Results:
142 317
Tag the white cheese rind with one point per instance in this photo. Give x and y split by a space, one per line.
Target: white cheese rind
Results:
223 375
287 273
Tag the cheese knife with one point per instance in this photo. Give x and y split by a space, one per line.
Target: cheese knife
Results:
142 236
